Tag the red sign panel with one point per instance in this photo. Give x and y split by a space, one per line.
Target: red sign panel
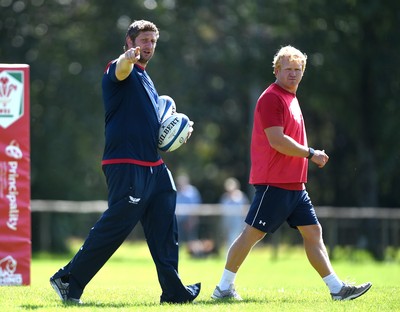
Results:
15 212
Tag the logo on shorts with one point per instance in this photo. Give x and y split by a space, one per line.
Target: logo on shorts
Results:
133 200
263 223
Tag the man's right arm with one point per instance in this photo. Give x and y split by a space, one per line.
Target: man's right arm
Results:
125 63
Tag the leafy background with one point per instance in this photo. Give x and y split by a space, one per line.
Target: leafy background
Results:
214 58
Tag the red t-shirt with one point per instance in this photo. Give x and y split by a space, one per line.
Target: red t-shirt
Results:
277 107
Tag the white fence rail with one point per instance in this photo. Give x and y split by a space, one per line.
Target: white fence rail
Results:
98 206
334 219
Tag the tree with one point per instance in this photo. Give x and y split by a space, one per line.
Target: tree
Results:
214 58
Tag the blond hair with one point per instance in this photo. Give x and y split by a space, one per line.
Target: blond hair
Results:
292 53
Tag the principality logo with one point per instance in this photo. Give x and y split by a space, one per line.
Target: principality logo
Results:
11 97
9 175
8 266
13 150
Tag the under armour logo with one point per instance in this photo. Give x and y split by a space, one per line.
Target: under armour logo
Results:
133 200
261 222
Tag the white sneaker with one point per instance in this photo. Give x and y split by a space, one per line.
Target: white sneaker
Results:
350 292
227 294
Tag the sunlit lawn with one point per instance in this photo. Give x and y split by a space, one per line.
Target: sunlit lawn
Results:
128 282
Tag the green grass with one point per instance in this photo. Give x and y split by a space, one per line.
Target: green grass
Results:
128 282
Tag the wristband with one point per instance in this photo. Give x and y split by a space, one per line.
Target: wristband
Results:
311 153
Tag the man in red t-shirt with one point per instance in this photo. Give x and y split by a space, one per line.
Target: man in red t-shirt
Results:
279 163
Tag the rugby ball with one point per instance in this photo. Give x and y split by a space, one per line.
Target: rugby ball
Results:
173 132
166 107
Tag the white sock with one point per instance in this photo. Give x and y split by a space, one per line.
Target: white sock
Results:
333 282
227 279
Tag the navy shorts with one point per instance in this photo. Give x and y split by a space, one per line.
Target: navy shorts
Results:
272 206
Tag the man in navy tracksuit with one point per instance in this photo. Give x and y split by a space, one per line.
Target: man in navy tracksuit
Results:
140 186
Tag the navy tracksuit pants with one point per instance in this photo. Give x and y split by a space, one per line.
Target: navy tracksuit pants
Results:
136 193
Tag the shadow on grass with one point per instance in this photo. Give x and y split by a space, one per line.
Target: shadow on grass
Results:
227 302
88 304
32 306
120 305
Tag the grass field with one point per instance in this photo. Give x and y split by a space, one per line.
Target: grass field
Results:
128 282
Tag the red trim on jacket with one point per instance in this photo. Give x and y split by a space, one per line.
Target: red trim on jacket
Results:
132 161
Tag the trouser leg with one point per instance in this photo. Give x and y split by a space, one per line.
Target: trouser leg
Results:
160 227
108 233
103 240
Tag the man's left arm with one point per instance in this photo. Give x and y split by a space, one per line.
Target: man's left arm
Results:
286 145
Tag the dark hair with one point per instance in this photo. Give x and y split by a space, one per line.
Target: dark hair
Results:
137 27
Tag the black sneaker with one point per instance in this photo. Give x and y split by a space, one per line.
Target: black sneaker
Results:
350 292
187 296
62 290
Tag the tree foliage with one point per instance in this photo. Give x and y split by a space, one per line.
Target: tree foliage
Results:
214 58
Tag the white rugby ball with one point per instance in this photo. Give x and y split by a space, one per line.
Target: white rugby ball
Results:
166 107
173 132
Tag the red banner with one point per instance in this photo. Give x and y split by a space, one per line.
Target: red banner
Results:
15 212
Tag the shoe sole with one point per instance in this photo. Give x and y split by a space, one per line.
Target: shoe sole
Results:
355 296
360 294
55 287
225 298
71 301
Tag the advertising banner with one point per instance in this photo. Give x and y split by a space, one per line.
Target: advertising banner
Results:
15 211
